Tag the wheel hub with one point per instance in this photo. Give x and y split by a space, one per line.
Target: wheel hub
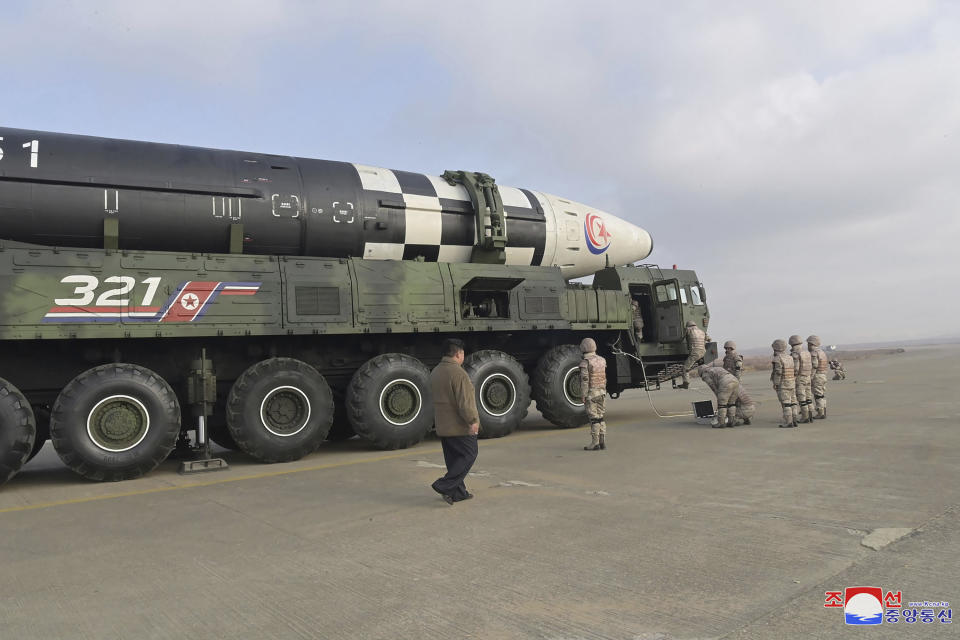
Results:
285 411
498 394
118 423
400 402
572 387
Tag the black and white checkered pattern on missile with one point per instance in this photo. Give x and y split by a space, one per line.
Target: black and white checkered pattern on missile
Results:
421 215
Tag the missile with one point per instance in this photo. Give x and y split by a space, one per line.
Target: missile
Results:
58 189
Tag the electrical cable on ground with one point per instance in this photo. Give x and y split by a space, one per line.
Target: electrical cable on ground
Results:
615 348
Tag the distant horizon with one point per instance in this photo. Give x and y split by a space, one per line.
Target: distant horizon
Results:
879 344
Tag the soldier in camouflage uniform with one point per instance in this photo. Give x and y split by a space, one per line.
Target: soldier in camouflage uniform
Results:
593 388
732 361
803 369
746 407
784 382
637 320
697 344
725 386
818 360
838 372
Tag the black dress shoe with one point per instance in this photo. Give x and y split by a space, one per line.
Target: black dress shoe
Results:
447 498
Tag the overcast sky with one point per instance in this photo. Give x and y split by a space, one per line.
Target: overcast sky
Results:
802 156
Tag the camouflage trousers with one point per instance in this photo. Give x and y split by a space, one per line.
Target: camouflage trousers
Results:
746 411
804 397
726 399
691 362
819 388
788 400
595 403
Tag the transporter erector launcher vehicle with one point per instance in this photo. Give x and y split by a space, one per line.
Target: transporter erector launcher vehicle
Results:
274 302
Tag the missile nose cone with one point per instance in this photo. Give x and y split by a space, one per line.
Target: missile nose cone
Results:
633 243
587 238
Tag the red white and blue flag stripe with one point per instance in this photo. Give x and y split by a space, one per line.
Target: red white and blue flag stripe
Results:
188 303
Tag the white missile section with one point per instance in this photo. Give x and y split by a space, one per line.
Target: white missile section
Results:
581 239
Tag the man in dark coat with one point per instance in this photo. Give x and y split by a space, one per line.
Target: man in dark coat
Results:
457 421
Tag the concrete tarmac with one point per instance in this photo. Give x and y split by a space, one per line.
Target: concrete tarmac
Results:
676 531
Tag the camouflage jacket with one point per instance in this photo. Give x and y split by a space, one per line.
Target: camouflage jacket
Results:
818 360
802 366
593 373
733 362
782 370
717 377
696 340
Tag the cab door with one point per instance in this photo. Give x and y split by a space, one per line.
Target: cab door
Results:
669 311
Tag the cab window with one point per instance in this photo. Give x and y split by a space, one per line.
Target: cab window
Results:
683 295
695 294
666 292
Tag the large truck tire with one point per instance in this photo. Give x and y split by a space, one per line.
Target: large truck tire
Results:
18 430
279 410
115 422
502 391
389 402
556 387
41 415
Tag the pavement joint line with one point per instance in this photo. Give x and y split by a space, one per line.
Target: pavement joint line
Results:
266 474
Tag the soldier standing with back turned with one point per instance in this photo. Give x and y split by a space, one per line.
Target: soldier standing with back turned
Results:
803 368
732 361
818 359
784 383
593 390
697 344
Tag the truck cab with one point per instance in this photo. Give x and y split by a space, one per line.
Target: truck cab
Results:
666 300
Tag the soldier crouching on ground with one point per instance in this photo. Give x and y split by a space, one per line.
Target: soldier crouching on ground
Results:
818 360
593 389
838 372
725 385
732 361
784 383
746 407
697 344
803 368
